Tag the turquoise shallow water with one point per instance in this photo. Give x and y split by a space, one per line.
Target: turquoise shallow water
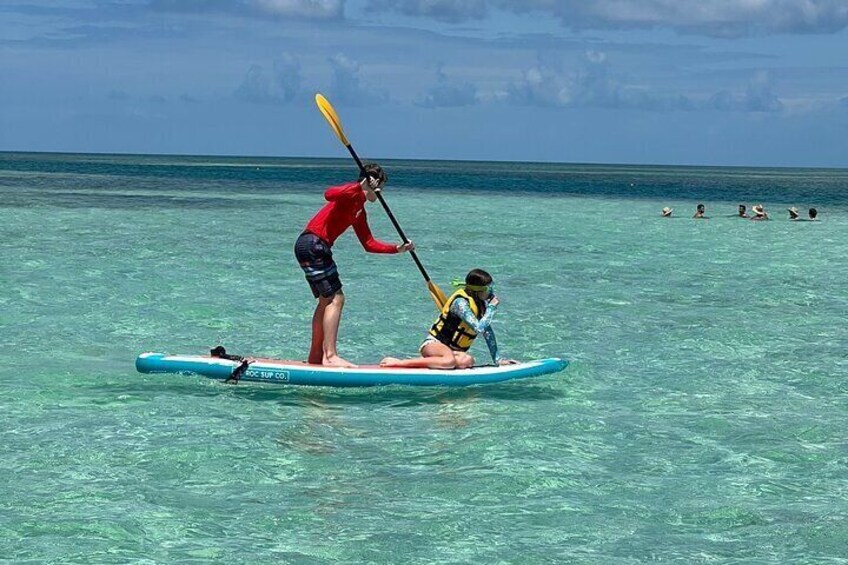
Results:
702 419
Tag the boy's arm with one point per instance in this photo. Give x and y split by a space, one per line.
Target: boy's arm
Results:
366 238
342 191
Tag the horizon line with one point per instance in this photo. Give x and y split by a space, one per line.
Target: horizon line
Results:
389 159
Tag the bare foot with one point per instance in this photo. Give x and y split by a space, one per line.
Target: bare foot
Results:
389 361
336 361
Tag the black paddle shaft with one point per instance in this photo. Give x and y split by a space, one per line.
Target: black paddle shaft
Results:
391 216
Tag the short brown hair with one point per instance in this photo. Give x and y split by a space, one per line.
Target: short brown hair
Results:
374 171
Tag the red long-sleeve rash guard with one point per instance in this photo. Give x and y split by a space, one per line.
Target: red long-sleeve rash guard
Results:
346 207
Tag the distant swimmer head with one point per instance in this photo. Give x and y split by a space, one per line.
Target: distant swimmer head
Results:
758 210
701 208
742 208
813 213
666 212
793 213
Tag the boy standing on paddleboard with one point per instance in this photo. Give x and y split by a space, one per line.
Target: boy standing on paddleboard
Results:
345 208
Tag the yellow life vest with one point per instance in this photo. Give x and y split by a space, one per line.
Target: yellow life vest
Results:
450 329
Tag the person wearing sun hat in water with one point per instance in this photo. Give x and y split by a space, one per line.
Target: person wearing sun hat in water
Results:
793 213
467 313
759 213
666 212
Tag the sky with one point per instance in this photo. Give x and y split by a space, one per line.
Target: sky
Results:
682 82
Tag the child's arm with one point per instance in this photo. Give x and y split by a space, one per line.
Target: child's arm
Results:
461 308
492 343
483 325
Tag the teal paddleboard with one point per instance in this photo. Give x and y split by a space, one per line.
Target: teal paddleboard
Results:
298 373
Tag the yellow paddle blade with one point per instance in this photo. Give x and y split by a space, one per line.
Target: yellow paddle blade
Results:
437 294
331 116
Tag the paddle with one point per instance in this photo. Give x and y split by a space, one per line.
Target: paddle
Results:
329 112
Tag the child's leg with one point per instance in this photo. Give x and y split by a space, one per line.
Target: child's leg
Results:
332 319
463 360
434 355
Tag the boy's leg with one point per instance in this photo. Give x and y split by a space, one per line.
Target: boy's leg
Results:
331 321
316 348
316 259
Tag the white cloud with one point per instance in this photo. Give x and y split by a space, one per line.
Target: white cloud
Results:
451 11
346 85
540 86
591 85
757 97
728 18
305 9
594 85
281 86
256 87
447 94
316 9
